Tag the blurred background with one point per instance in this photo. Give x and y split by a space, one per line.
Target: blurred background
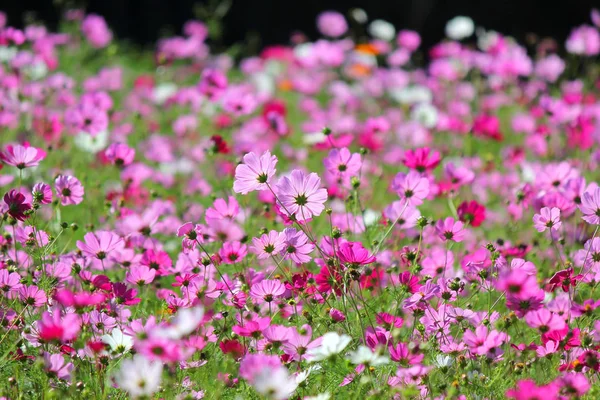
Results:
256 23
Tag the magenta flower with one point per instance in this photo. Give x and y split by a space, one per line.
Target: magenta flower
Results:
233 252
69 190
266 291
590 206
301 195
22 156
17 205
42 193
528 390
355 254
449 229
268 244
412 187
548 218
255 173
33 296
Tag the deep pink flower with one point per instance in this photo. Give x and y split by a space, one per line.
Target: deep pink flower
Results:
471 212
354 254
422 159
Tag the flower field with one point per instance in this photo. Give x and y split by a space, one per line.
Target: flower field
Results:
350 217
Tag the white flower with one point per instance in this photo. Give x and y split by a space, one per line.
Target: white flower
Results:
381 29
185 322
322 396
460 28
139 376
426 114
275 385
118 342
412 95
443 361
7 53
371 217
91 144
314 138
303 375
162 92
364 355
359 15
331 344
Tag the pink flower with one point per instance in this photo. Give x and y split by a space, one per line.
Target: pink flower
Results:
549 218
267 291
120 154
301 195
96 31
63 328
590 206
544 320
22 156
297 247
33 296
140 275
55 366
100 244
69 190
584 40
332 24
484 342
255 173
448 229
268 244
343 163
222 209
412 187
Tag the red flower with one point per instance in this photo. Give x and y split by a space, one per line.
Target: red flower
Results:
16 205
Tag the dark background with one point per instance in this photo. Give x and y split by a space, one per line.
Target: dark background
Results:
262 22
